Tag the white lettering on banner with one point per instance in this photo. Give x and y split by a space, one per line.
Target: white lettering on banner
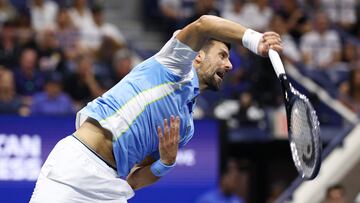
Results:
20 157
21 146
186 157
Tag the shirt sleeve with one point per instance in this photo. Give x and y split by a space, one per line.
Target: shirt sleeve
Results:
176 56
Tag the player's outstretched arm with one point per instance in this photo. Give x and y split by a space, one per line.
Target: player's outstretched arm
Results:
149 170
195 34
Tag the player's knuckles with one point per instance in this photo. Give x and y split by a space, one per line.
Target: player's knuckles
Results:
168 144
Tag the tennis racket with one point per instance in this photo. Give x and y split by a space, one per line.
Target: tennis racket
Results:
303 125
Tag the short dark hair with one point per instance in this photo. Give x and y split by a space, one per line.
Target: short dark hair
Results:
210 41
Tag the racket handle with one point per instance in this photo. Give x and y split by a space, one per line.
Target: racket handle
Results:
276 62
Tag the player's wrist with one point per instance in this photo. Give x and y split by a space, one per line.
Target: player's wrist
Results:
251 40
159 169
167 162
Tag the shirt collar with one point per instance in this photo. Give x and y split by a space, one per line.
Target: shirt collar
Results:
195 83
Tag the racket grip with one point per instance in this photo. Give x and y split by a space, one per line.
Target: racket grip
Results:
276 62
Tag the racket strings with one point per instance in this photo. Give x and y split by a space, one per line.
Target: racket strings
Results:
303 124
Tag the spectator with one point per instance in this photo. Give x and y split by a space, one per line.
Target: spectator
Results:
349 59
320 47
350 90
235 13
249 113
7 11
82 18
296 20
82 85
257 14
228 186
291 51
350 52
43 13
9 49
52 101
106 52
173 13
28 78
10 102
202 7
123 62
25 33
343 12
68 37
335 194
103 29
51 57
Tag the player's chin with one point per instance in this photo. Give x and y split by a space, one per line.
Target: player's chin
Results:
215 84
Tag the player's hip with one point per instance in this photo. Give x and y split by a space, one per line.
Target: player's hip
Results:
73 172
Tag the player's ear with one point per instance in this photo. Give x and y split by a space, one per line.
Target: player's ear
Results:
200 57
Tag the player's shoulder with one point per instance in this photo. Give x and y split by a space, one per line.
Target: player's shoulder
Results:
176 56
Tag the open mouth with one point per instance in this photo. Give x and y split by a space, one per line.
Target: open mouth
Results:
220 74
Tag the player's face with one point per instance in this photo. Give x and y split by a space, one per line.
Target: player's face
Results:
214 65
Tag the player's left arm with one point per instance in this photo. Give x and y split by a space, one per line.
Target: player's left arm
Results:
141 175
150 170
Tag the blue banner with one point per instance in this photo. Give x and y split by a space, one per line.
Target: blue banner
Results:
26 142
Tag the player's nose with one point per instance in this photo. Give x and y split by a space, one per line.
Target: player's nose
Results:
228 66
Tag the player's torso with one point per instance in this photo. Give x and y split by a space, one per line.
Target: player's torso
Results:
142 100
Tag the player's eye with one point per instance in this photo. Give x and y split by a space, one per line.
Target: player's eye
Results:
222 55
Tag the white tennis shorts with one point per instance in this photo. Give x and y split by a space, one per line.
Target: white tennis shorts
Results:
72 173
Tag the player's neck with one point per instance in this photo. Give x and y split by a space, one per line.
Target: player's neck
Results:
202 85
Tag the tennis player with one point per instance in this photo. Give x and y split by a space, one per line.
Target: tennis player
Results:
122 142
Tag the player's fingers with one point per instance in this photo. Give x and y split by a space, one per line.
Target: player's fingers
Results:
160 136
166 130
272 38
172 128
177 129
277 48
273 41
271 34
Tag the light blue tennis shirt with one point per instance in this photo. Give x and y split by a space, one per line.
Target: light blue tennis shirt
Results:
163 85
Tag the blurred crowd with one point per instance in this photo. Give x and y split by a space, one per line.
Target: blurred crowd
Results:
55 56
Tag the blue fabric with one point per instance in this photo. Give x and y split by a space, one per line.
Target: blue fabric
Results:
139 140
159 169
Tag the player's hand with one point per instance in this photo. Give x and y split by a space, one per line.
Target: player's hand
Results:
270 40
169 141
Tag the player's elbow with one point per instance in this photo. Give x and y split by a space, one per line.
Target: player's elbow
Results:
132 181
201 24
139 180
